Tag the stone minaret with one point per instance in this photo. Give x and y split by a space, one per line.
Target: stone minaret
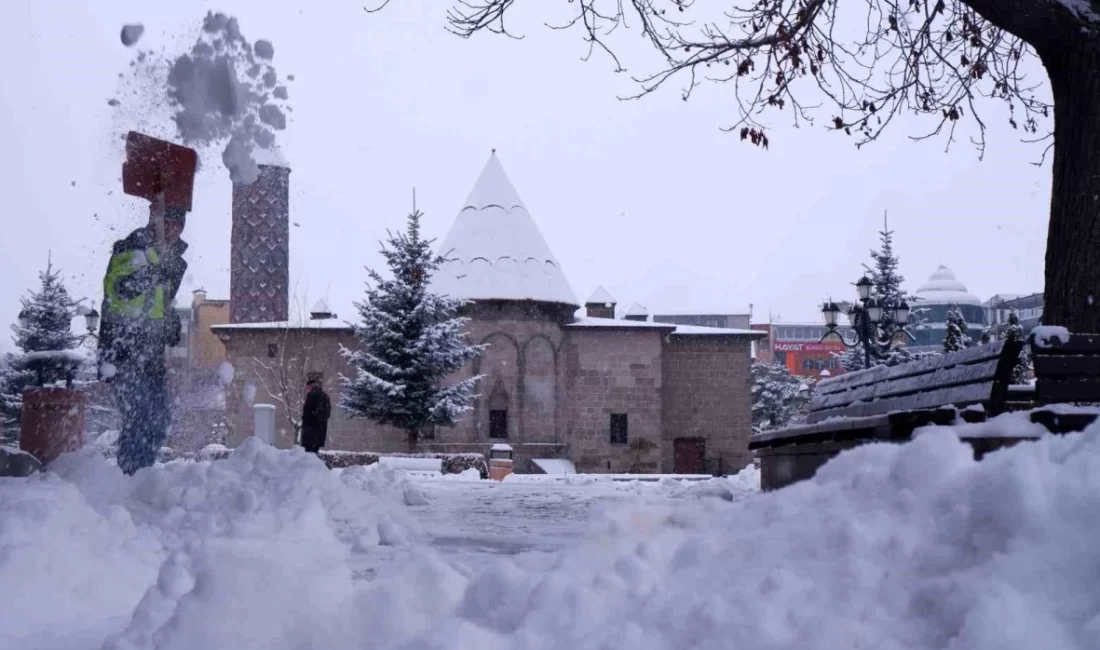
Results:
259 276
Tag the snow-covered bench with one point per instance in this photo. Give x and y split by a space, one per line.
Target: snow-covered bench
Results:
888 404
1067 372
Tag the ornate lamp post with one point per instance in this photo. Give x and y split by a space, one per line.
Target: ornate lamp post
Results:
866 317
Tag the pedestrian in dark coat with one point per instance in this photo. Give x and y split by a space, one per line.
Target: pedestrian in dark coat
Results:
315 414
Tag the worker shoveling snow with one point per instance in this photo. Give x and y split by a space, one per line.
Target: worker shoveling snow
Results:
224 89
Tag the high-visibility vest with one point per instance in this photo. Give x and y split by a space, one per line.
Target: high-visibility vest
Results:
148 304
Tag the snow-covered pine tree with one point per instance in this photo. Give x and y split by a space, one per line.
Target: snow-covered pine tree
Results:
1021 372
777 396
409 341
883 271
956 337
48 315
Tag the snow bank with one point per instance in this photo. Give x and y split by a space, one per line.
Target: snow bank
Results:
893 547
1048 336
911 546
258 542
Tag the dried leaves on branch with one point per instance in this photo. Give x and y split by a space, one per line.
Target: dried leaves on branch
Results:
855 65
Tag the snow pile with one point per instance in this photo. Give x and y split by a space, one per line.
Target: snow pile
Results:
911 546
1049 336
259 540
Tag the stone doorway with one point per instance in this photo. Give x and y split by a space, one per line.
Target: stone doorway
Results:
689 456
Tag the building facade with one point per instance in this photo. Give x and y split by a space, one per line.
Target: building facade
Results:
799 347
608 395
1029 310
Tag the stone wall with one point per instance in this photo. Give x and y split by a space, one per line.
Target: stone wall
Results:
611 371
708 395
299 352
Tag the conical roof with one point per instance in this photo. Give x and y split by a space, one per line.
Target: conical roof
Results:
600 296
496 252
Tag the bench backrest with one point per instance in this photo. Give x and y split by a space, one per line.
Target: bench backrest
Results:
1069 371
977 375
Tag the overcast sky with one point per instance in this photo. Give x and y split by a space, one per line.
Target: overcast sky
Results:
647 198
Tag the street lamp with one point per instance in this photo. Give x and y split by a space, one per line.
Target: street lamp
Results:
91 319
866 316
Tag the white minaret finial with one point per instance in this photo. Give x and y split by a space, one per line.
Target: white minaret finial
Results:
414 199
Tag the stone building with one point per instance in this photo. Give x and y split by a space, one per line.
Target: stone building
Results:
609 395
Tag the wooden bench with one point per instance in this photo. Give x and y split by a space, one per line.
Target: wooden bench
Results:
1066 373
888 404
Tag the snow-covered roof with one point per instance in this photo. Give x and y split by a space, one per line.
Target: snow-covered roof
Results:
943 288
320 307
619 323
600 296
637 310
311 324
496 252
693 330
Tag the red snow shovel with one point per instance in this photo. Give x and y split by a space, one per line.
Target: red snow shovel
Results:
154 166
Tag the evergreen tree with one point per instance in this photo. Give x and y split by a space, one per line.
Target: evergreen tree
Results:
47 316
883 271
1021 372
409 341
777 396
956 337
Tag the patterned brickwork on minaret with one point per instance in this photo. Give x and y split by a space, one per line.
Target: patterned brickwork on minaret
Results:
259 275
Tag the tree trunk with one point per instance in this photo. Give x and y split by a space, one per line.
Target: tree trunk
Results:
411 440
1072 292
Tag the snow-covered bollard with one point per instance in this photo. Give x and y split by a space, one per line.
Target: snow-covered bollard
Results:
500 461
263 422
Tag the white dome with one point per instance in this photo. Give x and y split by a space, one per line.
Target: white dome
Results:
943 288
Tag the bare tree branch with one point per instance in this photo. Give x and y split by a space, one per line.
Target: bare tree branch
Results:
931 57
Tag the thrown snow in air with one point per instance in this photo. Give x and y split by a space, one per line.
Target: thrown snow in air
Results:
226 373
222 91
131 34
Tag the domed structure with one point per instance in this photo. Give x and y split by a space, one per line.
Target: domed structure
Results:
942 288
931 301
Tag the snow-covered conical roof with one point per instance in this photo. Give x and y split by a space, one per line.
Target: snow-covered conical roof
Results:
600 296
320 307
637 309
943 288
496 252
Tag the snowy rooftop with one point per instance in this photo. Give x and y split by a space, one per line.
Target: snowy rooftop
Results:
600 296
943 288
693 330
637 310
496 252
320 307
312 323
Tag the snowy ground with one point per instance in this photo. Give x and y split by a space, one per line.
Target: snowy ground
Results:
912 547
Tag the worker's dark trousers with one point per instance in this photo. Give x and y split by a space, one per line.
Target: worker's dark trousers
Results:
142 397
